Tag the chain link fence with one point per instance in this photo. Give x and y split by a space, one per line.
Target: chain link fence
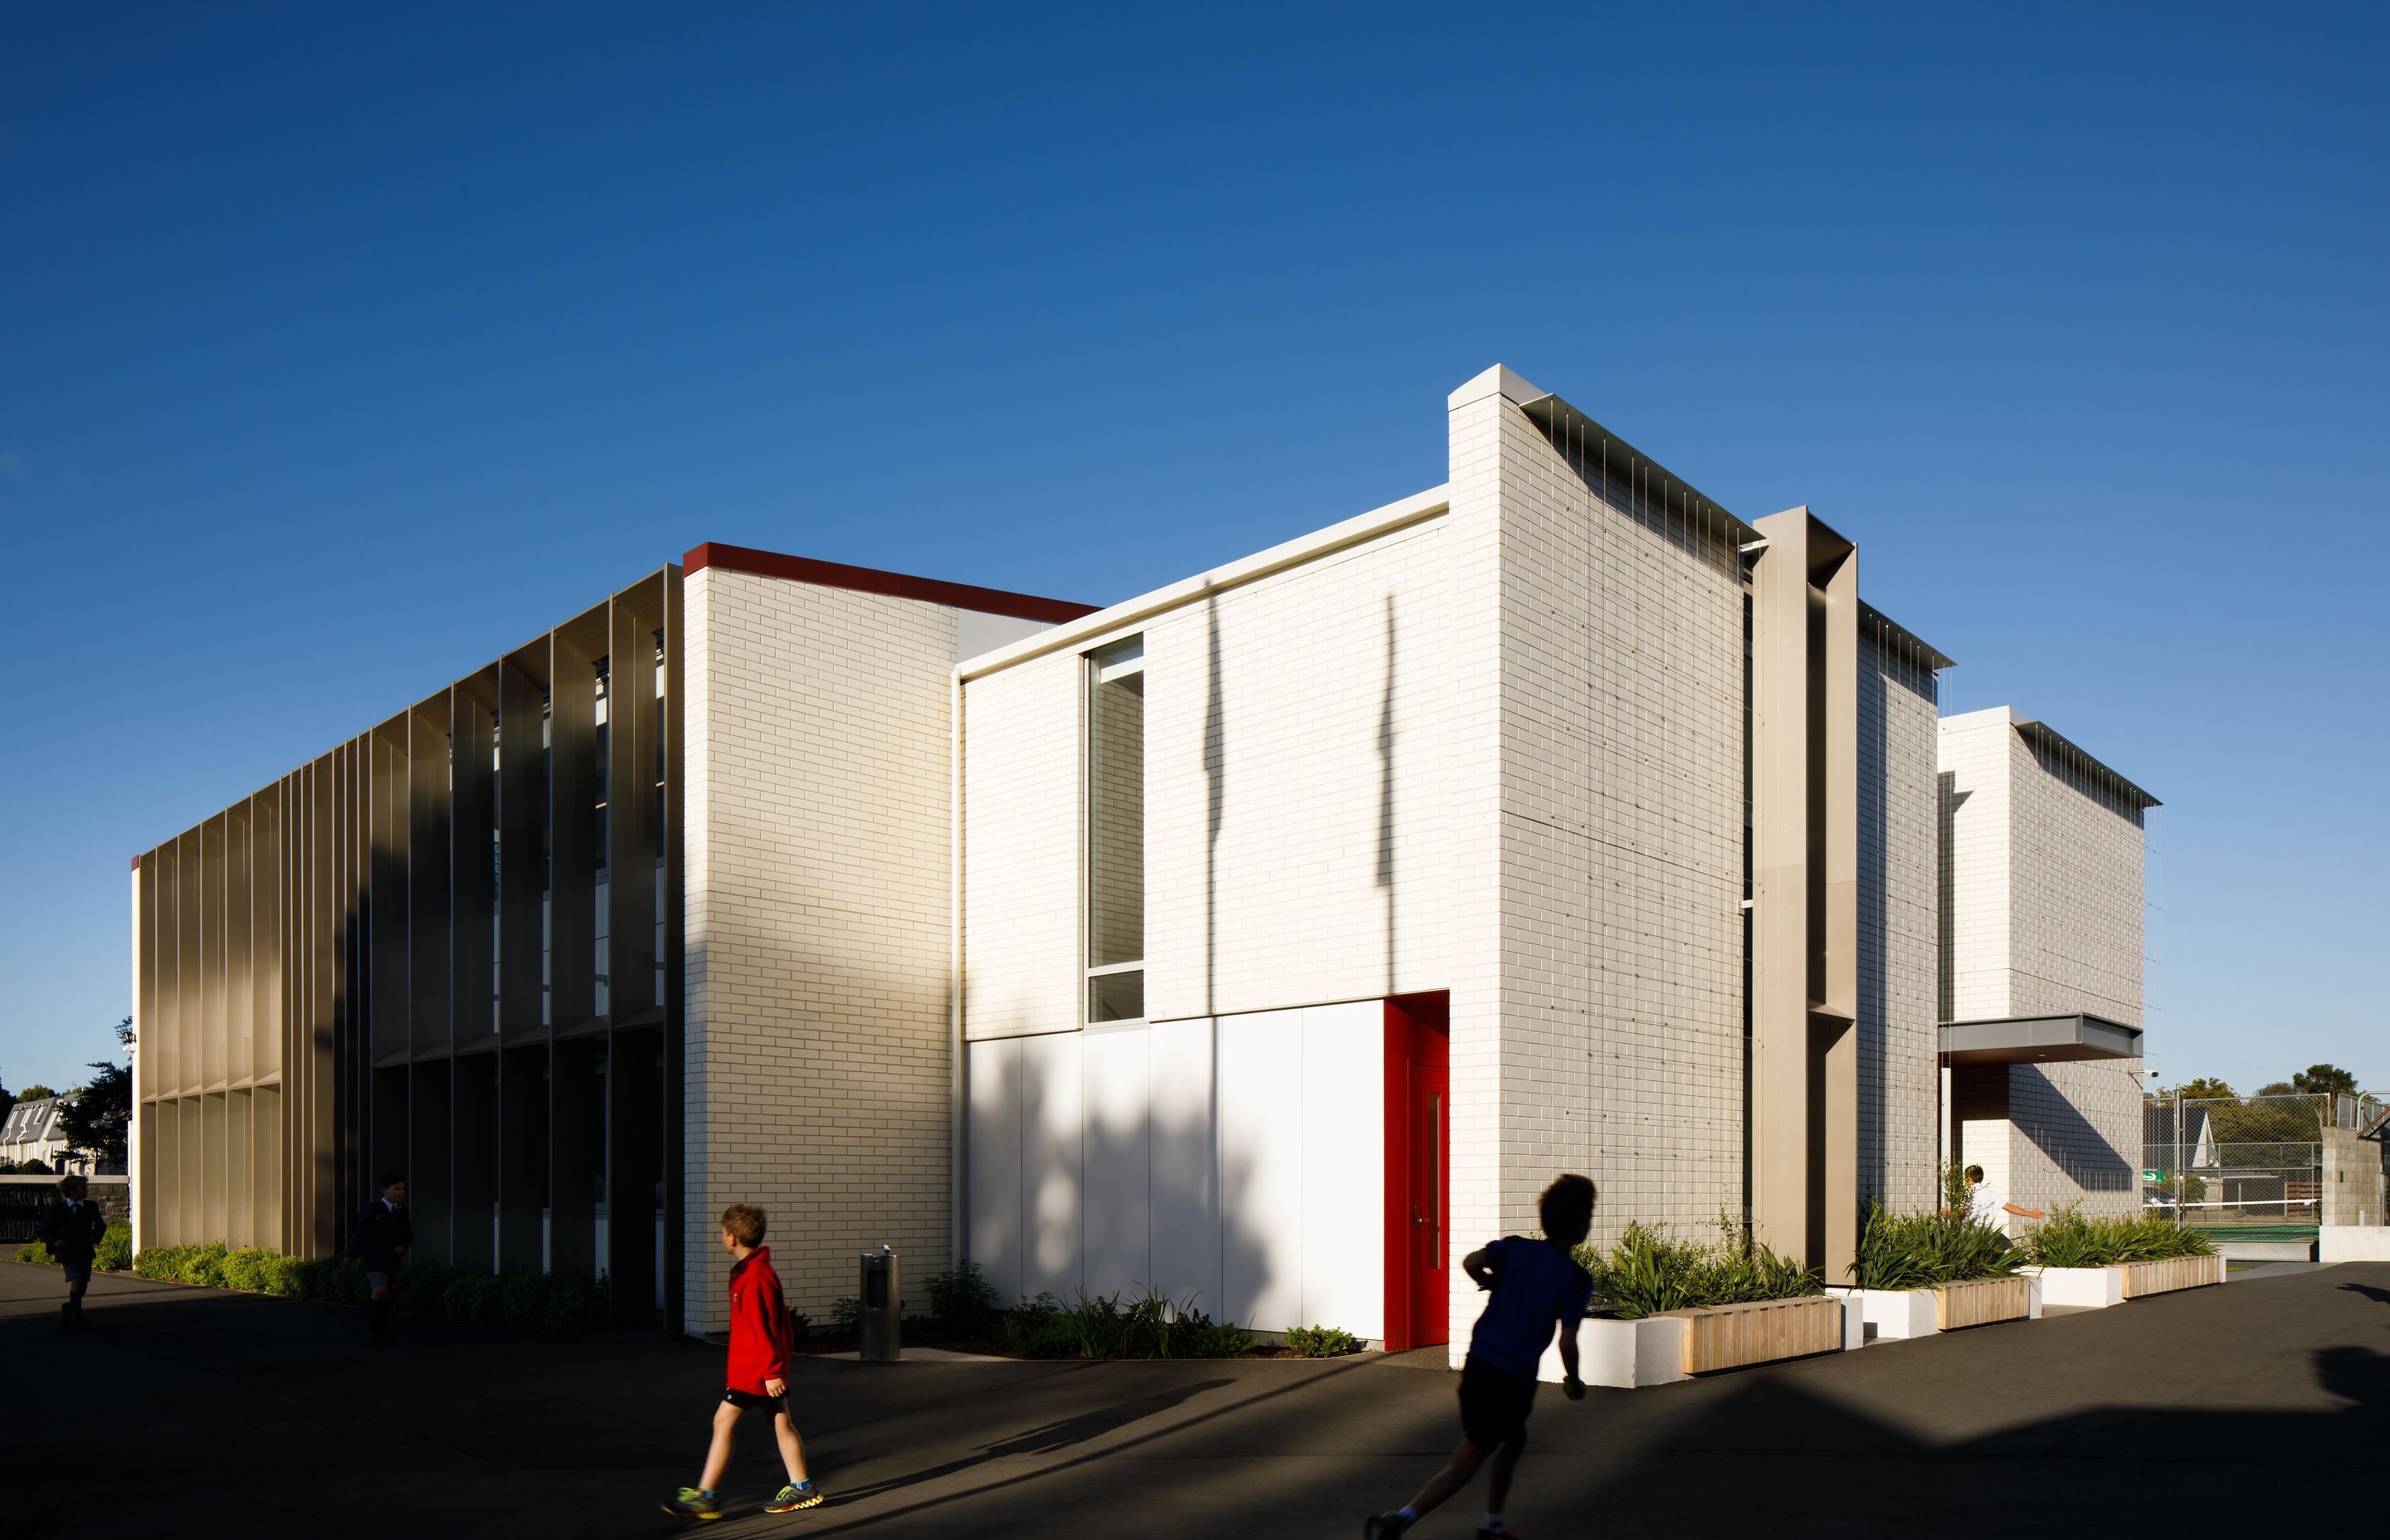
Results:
2255 1166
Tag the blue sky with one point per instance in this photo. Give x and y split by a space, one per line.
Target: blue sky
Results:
345 348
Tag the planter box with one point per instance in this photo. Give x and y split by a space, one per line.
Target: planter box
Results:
2163 1278
2084 1288
1624 1354
1892 1315
1981 1302
1730 1336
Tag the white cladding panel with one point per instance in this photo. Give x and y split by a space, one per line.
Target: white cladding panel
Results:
1117 1149
1022 861
1050 1131
992 1224
1343 1167
1262 1109
1185 1162
1098 1162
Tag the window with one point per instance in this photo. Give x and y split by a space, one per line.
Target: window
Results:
1116 832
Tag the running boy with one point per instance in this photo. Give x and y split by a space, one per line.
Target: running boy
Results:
761 1341
382 1234
1535 1284
70 1226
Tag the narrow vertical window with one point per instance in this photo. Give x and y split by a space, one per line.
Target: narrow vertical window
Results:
1116 832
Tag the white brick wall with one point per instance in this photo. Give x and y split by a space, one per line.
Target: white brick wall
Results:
1296 732
816 801
1897 928
2045 918
1617 963
1021 880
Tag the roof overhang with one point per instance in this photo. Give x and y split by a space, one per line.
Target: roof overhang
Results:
1888 629
1601 457
2050 744
2038 1040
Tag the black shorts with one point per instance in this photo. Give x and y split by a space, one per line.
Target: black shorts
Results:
756 1401
1494 1406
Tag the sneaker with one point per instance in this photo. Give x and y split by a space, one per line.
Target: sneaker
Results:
689 1503
794 1497
1382 1526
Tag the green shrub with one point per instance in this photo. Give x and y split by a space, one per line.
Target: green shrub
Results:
1649 1273
285 1277
2069 1239
845 1312
962 1296
1321 1341
1923 1251
114 1253
1148 1326
525 1302
249 1269
801 1326
204 1265
489 1300
37 1253
157 1262
423 1290
575 1306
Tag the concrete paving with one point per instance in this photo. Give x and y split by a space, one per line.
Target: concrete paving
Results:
194 1412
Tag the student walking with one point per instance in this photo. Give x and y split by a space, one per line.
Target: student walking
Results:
1534 1286
70 1226
761 1341
1987 1206
382 1234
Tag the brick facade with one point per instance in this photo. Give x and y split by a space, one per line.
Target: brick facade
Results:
817 1053
2043 915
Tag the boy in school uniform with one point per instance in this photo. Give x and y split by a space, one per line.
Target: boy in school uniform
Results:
383 1233
70 1226
1533 1286
761 1341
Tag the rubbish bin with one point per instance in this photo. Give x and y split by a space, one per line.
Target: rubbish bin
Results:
882 1342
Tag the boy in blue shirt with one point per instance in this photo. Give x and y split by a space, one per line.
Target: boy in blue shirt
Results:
1534 1286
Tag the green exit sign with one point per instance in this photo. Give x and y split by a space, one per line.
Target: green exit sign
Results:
2153 1177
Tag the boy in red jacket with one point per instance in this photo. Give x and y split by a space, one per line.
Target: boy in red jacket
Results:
761 1341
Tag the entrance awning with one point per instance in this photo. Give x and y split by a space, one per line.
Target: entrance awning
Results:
2038 1040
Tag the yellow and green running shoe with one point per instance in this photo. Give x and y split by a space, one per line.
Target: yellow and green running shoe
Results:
794 1497
690 1503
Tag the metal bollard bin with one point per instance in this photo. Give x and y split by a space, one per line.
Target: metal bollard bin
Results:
881 1316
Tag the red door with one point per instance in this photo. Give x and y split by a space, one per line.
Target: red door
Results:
1429 1204
1419 1169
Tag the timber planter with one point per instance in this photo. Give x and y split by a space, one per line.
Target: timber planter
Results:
1761 1331
1981 1302
2143 1279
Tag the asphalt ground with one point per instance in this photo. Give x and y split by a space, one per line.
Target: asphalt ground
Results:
188 1411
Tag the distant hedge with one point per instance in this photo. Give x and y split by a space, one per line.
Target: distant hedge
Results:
528 1301
113 1254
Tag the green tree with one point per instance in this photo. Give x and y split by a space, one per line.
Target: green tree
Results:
35 1092
2205 1089
2324 1079
98 1120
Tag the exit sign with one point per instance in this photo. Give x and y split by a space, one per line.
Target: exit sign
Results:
2153 1177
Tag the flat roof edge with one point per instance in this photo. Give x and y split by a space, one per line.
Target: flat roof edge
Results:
1358 530
872 580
